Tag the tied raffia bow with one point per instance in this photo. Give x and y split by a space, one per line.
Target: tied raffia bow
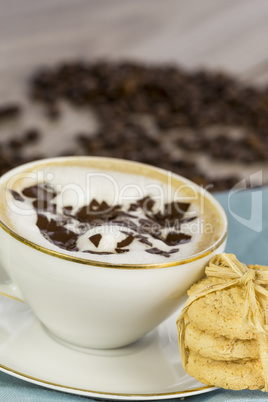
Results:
230 272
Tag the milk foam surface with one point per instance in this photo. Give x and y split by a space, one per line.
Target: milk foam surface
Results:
78 186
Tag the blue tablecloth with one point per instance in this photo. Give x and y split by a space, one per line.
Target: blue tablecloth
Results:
248 239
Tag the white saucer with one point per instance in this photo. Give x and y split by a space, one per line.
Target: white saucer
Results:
148 369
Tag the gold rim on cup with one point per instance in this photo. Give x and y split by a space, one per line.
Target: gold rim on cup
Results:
133 168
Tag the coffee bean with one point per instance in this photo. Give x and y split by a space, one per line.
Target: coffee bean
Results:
15 143
31 135
53 112
9 111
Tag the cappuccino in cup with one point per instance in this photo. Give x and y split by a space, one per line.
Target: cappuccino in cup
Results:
103 250
111 216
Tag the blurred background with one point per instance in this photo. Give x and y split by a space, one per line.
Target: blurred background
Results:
181 84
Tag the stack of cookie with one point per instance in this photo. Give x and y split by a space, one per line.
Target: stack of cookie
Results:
219 351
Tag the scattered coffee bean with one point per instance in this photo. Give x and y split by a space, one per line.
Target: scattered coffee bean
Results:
174 99
182 106
9 111
15 143
30 136
53 112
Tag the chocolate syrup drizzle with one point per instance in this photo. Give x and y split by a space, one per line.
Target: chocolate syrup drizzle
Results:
152 225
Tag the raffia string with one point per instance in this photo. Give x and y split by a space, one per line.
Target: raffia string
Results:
230 272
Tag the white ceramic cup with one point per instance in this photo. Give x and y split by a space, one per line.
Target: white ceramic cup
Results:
91 304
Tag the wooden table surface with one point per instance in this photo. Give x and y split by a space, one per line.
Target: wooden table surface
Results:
221 34
229 35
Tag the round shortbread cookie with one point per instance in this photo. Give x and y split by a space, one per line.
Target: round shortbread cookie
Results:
220 312
219 348
228 375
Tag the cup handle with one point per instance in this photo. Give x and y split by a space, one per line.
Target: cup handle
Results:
8 288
